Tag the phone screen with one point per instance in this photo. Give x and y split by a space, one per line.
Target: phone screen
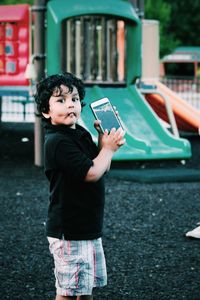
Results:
105 113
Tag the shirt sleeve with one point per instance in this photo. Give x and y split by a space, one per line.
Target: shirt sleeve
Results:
71 160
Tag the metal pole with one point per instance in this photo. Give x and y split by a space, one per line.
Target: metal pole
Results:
68 41
87 54
78 48
0 110
139 7
168 107
108 56
39 9
99 51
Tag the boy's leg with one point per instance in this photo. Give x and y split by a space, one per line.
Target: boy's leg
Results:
88 253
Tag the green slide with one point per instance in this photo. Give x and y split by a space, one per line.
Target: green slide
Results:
146 138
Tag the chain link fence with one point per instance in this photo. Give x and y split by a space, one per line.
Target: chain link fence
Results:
186 87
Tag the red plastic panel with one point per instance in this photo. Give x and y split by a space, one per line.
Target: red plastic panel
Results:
14 44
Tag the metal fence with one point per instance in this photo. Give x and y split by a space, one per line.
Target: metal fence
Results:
17 109
187 88
21 109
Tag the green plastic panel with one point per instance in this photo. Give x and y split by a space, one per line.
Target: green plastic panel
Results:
146 138
60 10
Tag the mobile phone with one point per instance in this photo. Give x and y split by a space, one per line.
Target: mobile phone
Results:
103 111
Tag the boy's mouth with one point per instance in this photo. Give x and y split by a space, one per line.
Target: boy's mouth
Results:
71 114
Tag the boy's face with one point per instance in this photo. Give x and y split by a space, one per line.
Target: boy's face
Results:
64 108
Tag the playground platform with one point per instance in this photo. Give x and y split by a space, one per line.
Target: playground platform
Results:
157 175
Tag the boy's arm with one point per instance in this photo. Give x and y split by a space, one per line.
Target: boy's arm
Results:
100 165
100 136
100 147
109 144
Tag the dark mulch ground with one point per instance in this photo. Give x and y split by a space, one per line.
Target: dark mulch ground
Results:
148 256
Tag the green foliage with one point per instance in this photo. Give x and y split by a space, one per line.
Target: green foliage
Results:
10 2
185 21
179 22
161 11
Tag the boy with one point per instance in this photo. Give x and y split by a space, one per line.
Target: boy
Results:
74 167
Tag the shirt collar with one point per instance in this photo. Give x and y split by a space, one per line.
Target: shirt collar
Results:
78 132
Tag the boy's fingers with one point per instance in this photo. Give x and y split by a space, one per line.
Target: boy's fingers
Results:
120 138
97 126
113 131
106 132
117 113
97 122
120 133
115 110
121 142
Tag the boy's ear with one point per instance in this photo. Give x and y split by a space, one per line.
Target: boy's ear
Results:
46 115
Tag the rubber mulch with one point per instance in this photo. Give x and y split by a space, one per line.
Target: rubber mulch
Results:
148 255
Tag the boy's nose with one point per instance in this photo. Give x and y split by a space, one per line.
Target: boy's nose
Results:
70 103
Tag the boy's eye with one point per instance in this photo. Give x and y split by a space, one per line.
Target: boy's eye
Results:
75 99
61 100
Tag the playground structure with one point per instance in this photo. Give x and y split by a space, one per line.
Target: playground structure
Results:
102 29
184 60
14 52
14 44
101 43
187 117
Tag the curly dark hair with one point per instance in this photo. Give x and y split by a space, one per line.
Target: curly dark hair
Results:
46 87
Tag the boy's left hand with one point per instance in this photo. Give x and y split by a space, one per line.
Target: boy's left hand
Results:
97 126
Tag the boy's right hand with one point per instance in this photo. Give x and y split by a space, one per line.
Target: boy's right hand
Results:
110 142
113 140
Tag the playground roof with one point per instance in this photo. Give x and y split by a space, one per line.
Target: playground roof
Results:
13 13
62 9
183 54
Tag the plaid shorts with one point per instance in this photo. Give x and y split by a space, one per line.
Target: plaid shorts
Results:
79 266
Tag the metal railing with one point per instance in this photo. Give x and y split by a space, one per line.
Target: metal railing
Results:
17 109
186 87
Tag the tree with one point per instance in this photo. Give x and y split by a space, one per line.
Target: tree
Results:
185 20
161 11
9 2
